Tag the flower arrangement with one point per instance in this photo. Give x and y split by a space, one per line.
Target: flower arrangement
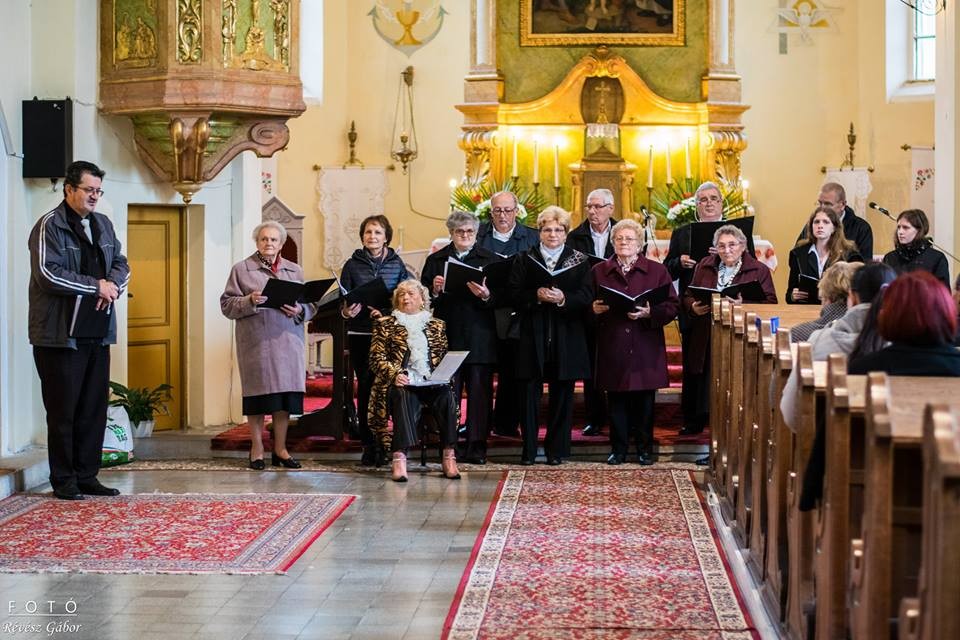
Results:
475 198
676 205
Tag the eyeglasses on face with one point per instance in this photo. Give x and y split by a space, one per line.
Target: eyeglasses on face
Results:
598 206
728 246
553 230
464 232
706 199
503 210
90 191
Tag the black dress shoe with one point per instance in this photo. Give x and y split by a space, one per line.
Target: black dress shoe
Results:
96 489
591 430
473 459
691 430
704 461
554 461
68 494
289 463
616 458
507 433
526 462
258 464
645 459
369 457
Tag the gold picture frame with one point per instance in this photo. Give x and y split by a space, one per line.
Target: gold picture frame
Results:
659 23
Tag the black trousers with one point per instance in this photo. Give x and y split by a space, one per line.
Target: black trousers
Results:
406 407
359 346
695 397
478 380
556 444
507 410
631 412
594 399
74 385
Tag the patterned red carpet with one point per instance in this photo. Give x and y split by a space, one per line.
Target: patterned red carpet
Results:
581 554
157 533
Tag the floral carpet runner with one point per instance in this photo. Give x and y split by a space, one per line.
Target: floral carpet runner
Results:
162 533
581 554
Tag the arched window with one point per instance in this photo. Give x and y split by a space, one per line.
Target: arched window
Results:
910 50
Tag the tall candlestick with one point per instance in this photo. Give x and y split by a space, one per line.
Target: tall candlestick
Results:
516 170
650 169
556 165
669 176
536 162
687 158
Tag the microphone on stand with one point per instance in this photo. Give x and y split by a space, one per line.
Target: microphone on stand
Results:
875 206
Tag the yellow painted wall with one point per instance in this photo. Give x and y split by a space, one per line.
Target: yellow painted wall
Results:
361 78
801 106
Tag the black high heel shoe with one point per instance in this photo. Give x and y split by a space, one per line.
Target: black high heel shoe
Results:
258 464
289 463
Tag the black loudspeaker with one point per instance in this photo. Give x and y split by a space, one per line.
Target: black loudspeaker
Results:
47 138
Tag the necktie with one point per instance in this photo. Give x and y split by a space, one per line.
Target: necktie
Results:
85 223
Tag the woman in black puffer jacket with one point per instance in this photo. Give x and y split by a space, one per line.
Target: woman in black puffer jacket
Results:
914 250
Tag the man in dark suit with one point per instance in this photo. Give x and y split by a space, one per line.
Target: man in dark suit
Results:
678 262
505 237
833 196
592 237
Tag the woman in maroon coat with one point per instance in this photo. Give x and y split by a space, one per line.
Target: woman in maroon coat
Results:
731 265
631 354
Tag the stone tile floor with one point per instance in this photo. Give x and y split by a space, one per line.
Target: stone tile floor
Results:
386 569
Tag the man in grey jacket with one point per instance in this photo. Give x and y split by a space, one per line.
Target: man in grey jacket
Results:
77 272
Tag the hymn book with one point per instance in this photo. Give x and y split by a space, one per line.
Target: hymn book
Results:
620 301
750 291
287 292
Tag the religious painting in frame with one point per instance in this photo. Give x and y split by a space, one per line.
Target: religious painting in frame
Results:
658 23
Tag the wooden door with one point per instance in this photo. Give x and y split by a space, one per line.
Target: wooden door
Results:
155 250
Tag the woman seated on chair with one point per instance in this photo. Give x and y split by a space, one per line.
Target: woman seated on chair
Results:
406 346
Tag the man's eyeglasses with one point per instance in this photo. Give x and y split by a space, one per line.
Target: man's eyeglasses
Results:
503 210
598 206
90 191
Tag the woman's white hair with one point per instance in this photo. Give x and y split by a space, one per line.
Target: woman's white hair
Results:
271 224
414 285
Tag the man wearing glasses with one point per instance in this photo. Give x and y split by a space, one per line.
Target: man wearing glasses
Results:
77 272
834 197
592 237
503 236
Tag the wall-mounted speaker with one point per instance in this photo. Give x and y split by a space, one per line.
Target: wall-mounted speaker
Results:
47 138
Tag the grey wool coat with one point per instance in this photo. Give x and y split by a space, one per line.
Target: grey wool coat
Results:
270 346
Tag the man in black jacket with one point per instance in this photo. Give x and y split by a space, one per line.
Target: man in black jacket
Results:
505 237
592 237
834 197
77 272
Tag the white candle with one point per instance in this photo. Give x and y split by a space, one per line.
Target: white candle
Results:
669 176
687 158
556 165
536 162
516 169
650 169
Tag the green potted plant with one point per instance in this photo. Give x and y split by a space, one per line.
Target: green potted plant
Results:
141 404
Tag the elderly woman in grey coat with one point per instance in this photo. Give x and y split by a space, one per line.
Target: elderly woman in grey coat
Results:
270 343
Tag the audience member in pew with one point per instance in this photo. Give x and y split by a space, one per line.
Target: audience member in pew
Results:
270 343
731 265
912 249
834 289
630 345
823 244
407 346
375 259
842 336
552 347
919 320
471 326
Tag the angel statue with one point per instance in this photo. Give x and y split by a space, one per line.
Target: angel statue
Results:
802 17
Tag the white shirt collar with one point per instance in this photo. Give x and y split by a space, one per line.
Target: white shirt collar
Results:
550 253
600 240
502 237
820 264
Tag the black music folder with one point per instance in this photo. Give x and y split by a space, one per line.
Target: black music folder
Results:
539 276
620 301
87 320
280 292
701 235
457 274
810 285
751 292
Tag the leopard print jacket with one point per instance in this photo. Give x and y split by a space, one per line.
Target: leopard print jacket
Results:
388 348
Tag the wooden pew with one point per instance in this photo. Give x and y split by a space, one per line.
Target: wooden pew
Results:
935 612
766 361
747 425
732 417
719 397
885 560
838 519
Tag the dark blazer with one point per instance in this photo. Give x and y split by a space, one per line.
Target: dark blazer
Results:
360 269
522 239
855 229
930 260
581 240
632 354
679 245
470 322
705 275
548 326
908 360
802 261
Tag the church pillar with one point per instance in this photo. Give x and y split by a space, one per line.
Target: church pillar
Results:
947 130
722 91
